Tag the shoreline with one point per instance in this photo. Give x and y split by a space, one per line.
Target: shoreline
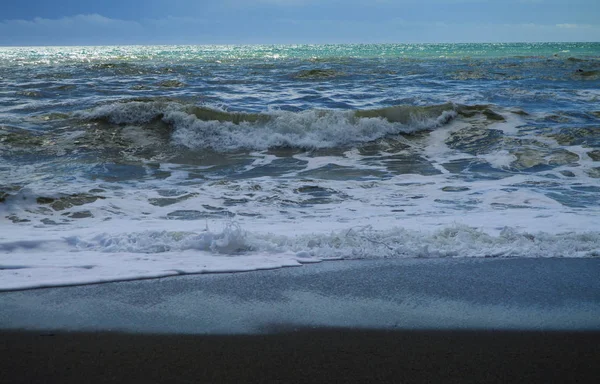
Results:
301 264
408 321
408 294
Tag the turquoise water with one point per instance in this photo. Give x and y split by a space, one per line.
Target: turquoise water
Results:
365 51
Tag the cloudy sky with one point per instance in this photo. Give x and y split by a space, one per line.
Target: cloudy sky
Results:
100 22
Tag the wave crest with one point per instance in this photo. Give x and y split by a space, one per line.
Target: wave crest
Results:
200 127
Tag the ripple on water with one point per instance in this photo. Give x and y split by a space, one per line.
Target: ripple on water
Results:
409 164
338 172
198 215
166 201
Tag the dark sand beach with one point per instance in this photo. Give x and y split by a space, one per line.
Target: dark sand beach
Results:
521 320
320 355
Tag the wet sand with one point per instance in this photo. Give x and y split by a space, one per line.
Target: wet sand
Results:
508 294
522 320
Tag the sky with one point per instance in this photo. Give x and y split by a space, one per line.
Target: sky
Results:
117 22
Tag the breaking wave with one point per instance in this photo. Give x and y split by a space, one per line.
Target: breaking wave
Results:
198 127
357 242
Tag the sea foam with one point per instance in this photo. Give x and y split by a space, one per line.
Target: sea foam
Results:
120 255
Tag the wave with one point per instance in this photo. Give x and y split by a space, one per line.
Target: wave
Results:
356 243
203 127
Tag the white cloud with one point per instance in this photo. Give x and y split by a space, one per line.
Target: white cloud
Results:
97 29
67 30
573 26
67 22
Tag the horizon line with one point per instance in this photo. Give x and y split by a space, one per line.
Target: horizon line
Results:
289 44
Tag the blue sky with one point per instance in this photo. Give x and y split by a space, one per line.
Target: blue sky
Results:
77 22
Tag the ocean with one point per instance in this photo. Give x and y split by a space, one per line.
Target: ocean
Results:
130 162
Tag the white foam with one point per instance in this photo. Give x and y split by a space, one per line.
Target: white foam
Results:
499 159
269 221
74 268
113 251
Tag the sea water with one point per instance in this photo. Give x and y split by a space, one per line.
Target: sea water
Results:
144 161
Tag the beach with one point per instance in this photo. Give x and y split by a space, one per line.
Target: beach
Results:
490 320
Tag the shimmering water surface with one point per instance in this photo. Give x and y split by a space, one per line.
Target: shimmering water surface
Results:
123 162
